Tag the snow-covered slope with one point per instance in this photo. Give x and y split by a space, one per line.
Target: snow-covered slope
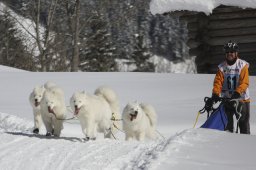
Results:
10 69
176 98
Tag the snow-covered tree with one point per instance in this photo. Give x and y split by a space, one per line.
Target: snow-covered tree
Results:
90 35
12 51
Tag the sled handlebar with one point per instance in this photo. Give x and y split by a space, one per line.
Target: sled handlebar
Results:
223 100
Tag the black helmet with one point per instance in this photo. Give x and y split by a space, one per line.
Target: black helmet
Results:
231 47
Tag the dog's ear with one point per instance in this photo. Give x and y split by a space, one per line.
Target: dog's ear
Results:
136 102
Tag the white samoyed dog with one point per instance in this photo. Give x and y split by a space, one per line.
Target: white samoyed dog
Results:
53 109
95 111
35 98
139 121
111 97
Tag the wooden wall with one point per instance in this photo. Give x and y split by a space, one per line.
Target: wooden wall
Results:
208 34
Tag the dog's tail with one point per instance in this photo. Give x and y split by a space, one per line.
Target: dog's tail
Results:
49 85
150 112
110 96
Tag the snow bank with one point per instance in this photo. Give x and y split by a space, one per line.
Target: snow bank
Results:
162 6
12 123
163 65
195 149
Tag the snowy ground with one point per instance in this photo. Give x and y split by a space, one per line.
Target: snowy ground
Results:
176 98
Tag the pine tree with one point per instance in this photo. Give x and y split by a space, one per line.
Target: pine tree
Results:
98 53
141 56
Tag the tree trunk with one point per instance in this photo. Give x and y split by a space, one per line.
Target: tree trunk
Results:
75 59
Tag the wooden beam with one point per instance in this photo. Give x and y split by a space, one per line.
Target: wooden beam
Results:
224 9
239 38
236 23
233 15
232 32
243 48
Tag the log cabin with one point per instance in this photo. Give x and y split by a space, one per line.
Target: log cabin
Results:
208 33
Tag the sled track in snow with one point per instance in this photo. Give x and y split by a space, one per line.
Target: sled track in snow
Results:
146 158
32 151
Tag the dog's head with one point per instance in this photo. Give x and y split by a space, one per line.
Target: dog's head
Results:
132 111
77 101
37 95
51 101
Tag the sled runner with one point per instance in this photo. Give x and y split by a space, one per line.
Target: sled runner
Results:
216 117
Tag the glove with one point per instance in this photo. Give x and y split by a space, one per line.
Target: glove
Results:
208 104
215 98
235 95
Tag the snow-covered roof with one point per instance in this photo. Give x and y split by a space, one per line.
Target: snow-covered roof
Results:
206 6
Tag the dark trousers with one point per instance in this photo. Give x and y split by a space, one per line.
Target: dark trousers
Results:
244 122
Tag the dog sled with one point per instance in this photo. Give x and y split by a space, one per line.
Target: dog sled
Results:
216 117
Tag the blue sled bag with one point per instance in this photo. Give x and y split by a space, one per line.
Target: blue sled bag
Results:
217 120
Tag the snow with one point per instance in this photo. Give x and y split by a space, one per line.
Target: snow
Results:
162 65
176 98
162 6
10 69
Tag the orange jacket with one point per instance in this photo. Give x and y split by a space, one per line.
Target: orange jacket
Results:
243 82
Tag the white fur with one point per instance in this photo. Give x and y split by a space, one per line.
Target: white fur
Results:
143 125
93 112
35 98
53 101
111 97
49 85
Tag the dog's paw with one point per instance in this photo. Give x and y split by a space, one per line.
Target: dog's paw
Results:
48 134
88 138
36 131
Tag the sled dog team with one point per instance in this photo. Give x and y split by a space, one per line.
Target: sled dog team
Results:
97 113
